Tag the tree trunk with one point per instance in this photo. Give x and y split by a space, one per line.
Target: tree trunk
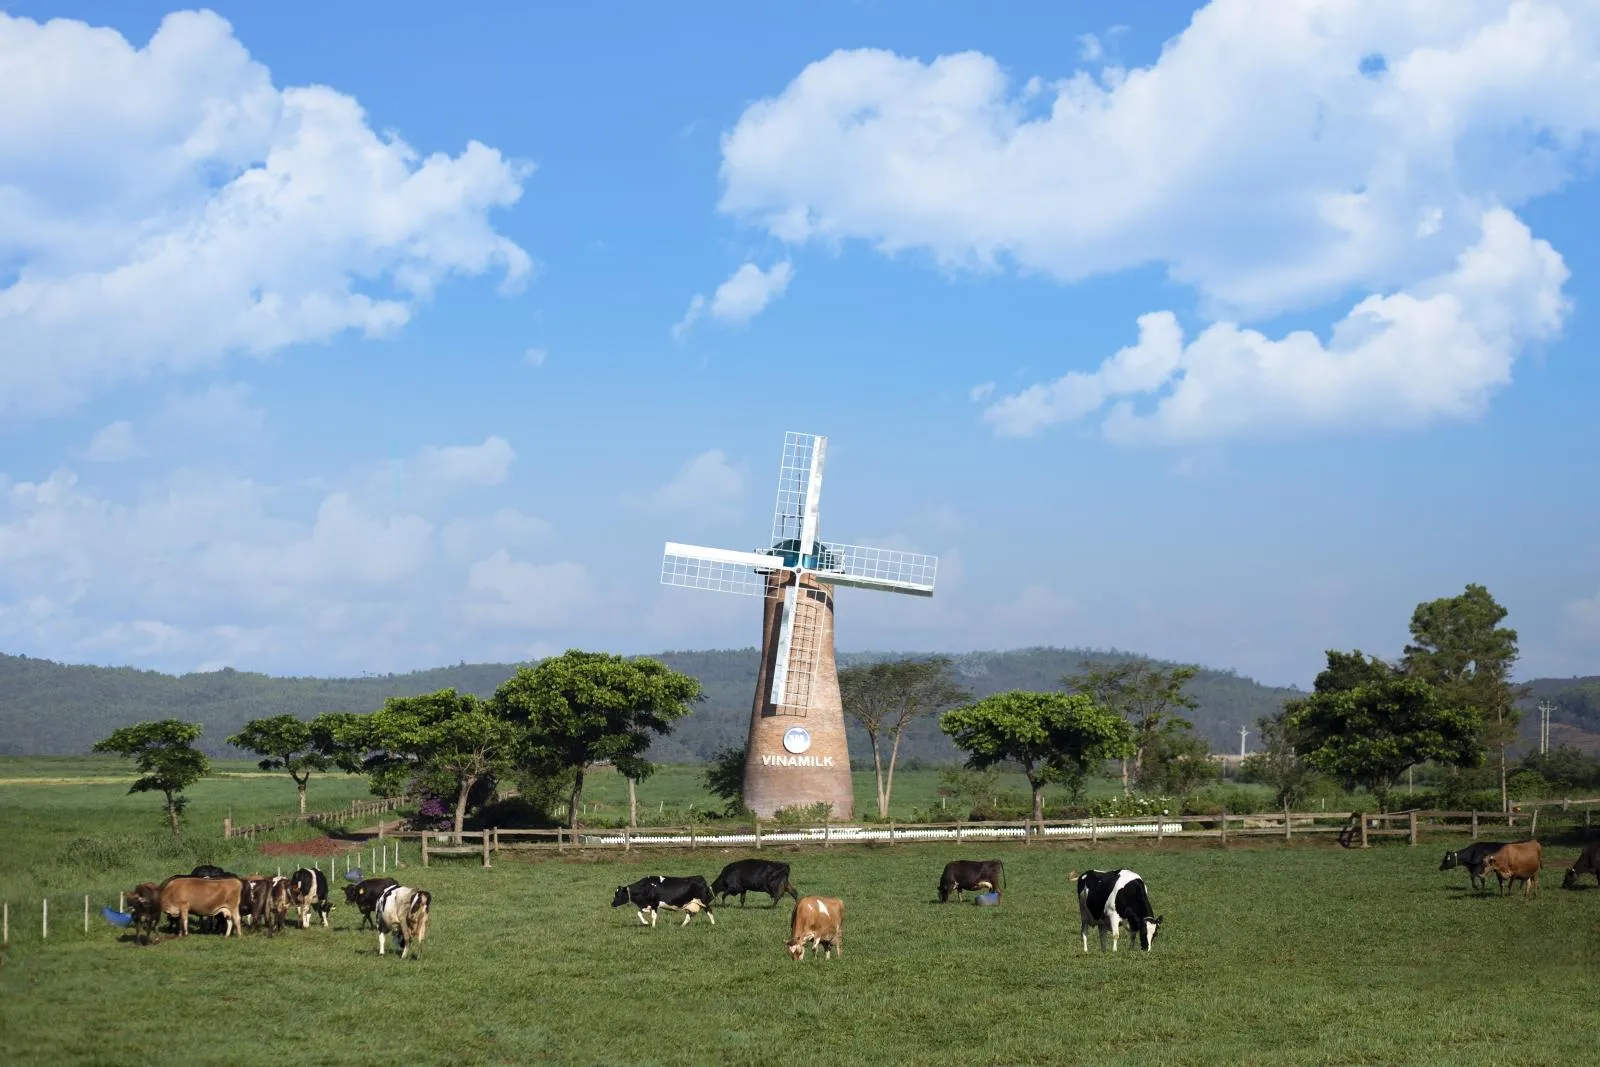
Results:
461 803
572 802
1505 798
1038 795
172 816
633 803
300 786
888 786
1124 762
877 774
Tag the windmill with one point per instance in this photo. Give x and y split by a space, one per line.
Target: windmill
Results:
796 752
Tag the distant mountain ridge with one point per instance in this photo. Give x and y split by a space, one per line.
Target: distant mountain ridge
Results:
48 708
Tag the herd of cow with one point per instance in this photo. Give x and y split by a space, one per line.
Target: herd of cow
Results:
1517 861
1106 900
263 902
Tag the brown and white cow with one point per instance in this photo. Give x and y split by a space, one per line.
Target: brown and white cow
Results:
1519 860
183 895
403 911
818 922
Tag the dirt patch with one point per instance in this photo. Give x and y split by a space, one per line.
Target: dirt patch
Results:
317 846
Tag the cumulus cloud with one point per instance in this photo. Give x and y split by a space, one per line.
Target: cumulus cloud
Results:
739 299
708 481
1275 157
510 592
114 443
167 207
1437 350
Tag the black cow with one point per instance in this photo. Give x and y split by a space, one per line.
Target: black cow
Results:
312 885
1107 899
207 870
754 876
1473 858
654 892
364 896
209 923
1588 863
973 875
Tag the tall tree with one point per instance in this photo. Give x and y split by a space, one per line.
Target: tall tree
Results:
1459 647
886 697
1054 737
583 708
723 776
454 738
285 743
1370 733
164 755
1144 693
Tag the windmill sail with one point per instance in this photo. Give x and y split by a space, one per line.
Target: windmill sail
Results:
724 570
887 569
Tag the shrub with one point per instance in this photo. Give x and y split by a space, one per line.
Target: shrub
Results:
804 814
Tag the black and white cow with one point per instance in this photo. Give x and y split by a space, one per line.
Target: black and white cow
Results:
403 911
754 876
1473 858
364 895
312 885
652 893
1107 899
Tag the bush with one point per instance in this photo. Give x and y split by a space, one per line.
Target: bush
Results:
1238 801
1133 806
804 814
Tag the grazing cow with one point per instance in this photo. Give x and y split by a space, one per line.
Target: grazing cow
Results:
207 870
754 876
144 904
1473 858
183 895
278 895
1588 863
975 875
654 892
1518 861
403 911
364 896
818 922
312 885
1107 899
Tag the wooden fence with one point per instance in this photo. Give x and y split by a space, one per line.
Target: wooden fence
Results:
358 809
1354 830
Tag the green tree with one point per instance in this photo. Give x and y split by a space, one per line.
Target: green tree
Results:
454 738
1178 762
1459 647
1278 763
1054 737
723 776
886 697
1370 733
164 755
582 708
285 743
1142 692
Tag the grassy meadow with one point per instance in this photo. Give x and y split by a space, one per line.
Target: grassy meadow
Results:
1271 954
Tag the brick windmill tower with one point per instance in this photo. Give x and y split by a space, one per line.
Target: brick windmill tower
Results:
796 752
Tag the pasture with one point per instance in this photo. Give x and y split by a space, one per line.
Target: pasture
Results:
1306 954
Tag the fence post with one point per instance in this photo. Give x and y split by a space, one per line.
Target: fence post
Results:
827 834
227 826
1533 827
891 831
486 848
1288 824
44 920
1586 821
1474 825
561 840
1224 824
1094 834
424 848
86 913
1161 827
1411 826
5 922
627 840
1364 830
497 840
691 837
758 833
958 833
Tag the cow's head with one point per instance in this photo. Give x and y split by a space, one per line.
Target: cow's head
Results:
621 897
1147 936
1449 861
797 948
1570 879
350 894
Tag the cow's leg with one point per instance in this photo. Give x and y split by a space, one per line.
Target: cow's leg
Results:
380 940
653 913
641 917
324 909
1116 931
687 915
1084 931
711 915
183 920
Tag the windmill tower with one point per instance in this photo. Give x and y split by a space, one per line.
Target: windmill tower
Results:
796 752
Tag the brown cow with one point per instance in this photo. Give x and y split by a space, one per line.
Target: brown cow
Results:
818 921
144 904
182 894
1518 860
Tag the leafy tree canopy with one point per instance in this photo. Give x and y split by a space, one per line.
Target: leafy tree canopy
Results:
164 754
286 743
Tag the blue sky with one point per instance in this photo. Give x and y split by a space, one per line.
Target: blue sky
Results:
1225 334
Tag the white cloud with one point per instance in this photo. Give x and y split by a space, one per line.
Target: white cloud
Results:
1254 158
706 482
739 299
508 592
980 391
1437 350
450 467
168 207
1089 48
477 537
115 443
535 357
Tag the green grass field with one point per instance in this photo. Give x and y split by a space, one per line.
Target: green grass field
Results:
1307 954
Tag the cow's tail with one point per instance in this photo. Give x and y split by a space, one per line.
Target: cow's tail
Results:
1072 876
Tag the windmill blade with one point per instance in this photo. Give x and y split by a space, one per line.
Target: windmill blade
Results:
720 569
780 662
887 569
799 469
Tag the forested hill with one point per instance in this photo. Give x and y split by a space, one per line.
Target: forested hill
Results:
51 708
